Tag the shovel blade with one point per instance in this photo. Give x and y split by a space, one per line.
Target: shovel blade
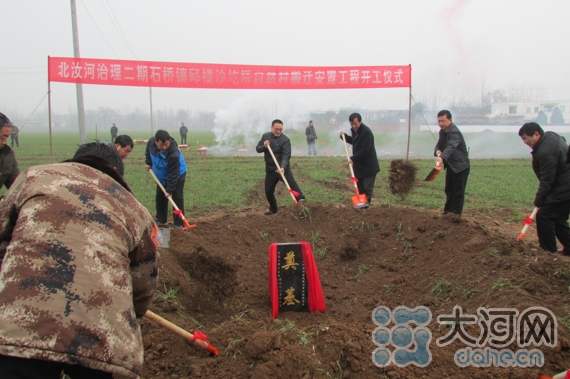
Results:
359 201
433 173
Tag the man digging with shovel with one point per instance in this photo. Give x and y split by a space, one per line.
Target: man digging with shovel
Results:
276 147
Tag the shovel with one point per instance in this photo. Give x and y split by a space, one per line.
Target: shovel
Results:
177 211
198 339
294 194
433 173
359 200
526 222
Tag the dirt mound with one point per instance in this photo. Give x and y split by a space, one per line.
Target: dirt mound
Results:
402 177
366 258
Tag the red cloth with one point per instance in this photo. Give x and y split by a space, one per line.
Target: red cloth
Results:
273 291
316 299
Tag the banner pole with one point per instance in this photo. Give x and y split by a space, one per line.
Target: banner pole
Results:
409 115
49 114
151 118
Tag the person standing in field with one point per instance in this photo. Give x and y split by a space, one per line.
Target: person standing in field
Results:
124 145
183 134
114 132
8 161
451 151
549 163
311 134
364 160
281 147
165 159
14 134
77 268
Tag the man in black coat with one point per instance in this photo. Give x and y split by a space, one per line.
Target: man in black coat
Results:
364 159
553 195
281 147
451 151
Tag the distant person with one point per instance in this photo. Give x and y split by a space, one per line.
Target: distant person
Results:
14 132
79 266
451 151
114 132
167 162
311 138
8 161
364 159
183 134
549 163
124 145
281 147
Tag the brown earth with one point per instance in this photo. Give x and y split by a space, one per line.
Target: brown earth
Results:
376 256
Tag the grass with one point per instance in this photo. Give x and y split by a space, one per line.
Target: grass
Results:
320 253
500 283
231 183
441 288
361 269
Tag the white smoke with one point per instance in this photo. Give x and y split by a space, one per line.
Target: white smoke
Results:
241 125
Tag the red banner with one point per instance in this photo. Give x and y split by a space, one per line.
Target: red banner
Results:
223 76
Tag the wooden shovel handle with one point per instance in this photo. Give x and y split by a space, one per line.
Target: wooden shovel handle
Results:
282 174
181 332
187 225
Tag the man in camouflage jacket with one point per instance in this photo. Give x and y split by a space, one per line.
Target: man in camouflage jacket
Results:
8 165
79 266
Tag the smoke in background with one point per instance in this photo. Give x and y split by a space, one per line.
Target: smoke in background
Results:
247 118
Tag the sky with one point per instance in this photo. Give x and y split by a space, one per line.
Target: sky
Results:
455 47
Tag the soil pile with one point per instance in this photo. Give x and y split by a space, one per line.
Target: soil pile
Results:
402 177
214 279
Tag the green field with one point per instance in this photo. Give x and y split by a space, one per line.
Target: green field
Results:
227 183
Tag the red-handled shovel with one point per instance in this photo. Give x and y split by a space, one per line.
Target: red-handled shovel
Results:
176 211
526 222
359 200
433 173
294 194
198 339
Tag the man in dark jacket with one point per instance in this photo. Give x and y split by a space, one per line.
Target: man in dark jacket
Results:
167 162
364 159
553 194
8 165
311 134
451 151
281 147
114 132
183 134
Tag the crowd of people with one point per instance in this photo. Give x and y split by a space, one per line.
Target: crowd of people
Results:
97 290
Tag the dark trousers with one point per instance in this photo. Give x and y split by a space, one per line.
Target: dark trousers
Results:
113 138
162 202
23 368
12 138
183 139
455 184
552 223
271 180
366 186
312 147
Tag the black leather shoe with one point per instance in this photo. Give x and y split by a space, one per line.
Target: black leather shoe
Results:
269 212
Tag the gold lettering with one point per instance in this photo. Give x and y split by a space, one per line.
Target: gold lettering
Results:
290 260
290 298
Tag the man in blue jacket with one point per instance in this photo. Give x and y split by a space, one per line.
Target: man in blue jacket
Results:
553 194
364 159
164 157
451 151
